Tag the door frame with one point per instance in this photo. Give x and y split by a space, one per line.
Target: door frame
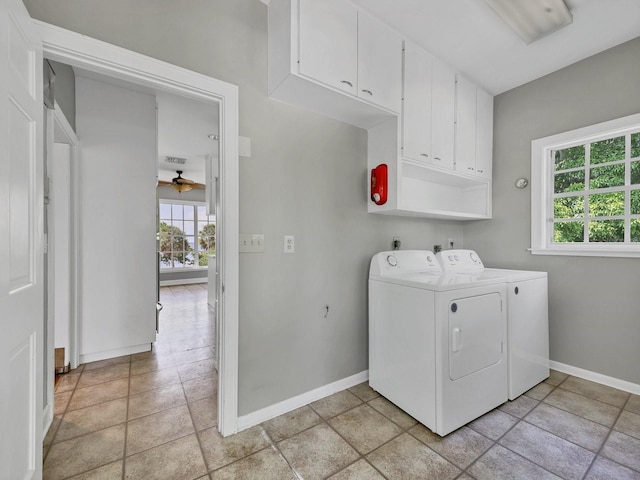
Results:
90 54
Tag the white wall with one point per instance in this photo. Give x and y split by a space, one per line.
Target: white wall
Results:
59 243
116 128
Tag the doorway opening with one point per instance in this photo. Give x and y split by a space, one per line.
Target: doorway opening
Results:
146 73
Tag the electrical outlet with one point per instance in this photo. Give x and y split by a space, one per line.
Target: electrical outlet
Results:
289 244
252 242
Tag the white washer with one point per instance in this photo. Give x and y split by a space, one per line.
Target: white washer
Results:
527 318
437 342
527 329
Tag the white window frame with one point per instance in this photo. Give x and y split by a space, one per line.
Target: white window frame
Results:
542 171
196 204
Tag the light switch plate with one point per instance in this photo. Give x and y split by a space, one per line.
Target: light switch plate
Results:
252 242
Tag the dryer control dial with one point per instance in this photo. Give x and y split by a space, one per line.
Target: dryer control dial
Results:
391 260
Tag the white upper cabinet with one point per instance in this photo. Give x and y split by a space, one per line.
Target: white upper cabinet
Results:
474 129
465 126
329 43
428 123
435 136
379 63
484 133
416 104
329 57
443 94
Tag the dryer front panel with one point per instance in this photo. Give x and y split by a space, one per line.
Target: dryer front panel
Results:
475 334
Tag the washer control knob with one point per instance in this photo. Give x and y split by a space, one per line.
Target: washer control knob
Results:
429 259
473 257
450 257
391 260
456 257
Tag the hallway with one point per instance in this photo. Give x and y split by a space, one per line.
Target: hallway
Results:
141 412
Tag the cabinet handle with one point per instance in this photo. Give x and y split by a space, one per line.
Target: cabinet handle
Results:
424 155
347 82
437 158
368 91
470 168
480 171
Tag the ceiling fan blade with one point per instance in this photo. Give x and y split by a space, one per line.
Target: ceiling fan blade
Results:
198 185
183 181
164 183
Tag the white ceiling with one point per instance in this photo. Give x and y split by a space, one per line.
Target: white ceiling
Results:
473 39
183 129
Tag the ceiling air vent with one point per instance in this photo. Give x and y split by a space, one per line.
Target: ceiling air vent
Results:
178 160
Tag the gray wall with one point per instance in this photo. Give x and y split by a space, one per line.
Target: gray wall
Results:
65 90
593 302
306 177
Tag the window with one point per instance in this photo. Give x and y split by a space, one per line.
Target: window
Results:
585 197
186 235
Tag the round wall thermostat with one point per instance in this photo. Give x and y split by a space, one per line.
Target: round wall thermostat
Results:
522 182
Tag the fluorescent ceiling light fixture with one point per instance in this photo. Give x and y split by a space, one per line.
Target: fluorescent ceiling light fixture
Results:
532 19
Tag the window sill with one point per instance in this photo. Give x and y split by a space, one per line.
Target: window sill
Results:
183 269
628 252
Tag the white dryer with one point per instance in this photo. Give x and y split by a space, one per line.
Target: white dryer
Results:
527 318
437 341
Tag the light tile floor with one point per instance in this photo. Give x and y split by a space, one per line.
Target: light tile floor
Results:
153 416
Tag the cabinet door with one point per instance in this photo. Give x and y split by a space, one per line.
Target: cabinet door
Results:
416 105
484 133
329 43
443 92
465 149
379 63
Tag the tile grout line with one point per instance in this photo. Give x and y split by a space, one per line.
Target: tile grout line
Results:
611 430
126 424
497 440
275 447
195 429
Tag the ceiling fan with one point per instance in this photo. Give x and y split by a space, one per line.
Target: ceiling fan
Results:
180 184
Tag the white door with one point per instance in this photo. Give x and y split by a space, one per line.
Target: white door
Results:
21 245
443 93
329 43
379 63
484 133
465 149
475 334
416 108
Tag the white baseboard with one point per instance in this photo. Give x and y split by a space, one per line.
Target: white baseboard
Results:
47 420
596 377
118 352
272 411
183 281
